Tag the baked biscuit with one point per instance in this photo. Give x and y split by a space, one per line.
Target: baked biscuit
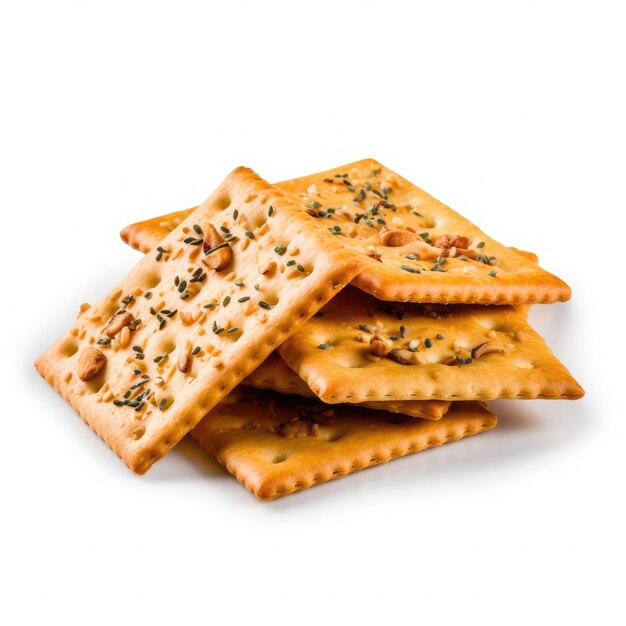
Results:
276 375
278 446
359 349
195 317
413 247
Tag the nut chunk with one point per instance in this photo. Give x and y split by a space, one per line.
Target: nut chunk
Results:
486 348
452 241
396 238
90 363
380 345
218 254
405 357
298 428
120 320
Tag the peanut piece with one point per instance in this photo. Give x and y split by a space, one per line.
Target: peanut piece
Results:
124 337
380 346
215 259
452 241
116 323
91 361
395 238
486 348
405 357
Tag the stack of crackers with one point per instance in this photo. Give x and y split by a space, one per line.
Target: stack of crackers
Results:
305 330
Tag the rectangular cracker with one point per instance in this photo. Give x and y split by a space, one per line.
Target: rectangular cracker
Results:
247 435
227 321
333 353
361 200
276 375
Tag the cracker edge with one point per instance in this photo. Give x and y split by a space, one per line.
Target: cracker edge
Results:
270 488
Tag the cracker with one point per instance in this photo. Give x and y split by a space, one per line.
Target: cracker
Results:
147 234
333 353
247 435
275 374
164 374
362 200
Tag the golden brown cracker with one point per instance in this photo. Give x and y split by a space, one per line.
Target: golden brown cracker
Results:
391 221
276 375
461 352
411 244
149 233
177 336
277 447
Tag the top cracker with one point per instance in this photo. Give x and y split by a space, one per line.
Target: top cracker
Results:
194 317
413 247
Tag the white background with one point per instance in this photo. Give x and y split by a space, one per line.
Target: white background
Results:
512 113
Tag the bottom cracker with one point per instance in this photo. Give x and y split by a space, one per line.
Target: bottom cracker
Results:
247 434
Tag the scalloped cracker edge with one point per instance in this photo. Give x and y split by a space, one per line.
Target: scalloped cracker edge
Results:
276 375
517 364
242 436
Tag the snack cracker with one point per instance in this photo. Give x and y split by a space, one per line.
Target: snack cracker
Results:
194 317
275 447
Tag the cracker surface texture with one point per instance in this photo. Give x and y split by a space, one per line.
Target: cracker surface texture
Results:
182 329
277 448
414 248
276 375
435 352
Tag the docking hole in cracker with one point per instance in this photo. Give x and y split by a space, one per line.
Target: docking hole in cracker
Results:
194 317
